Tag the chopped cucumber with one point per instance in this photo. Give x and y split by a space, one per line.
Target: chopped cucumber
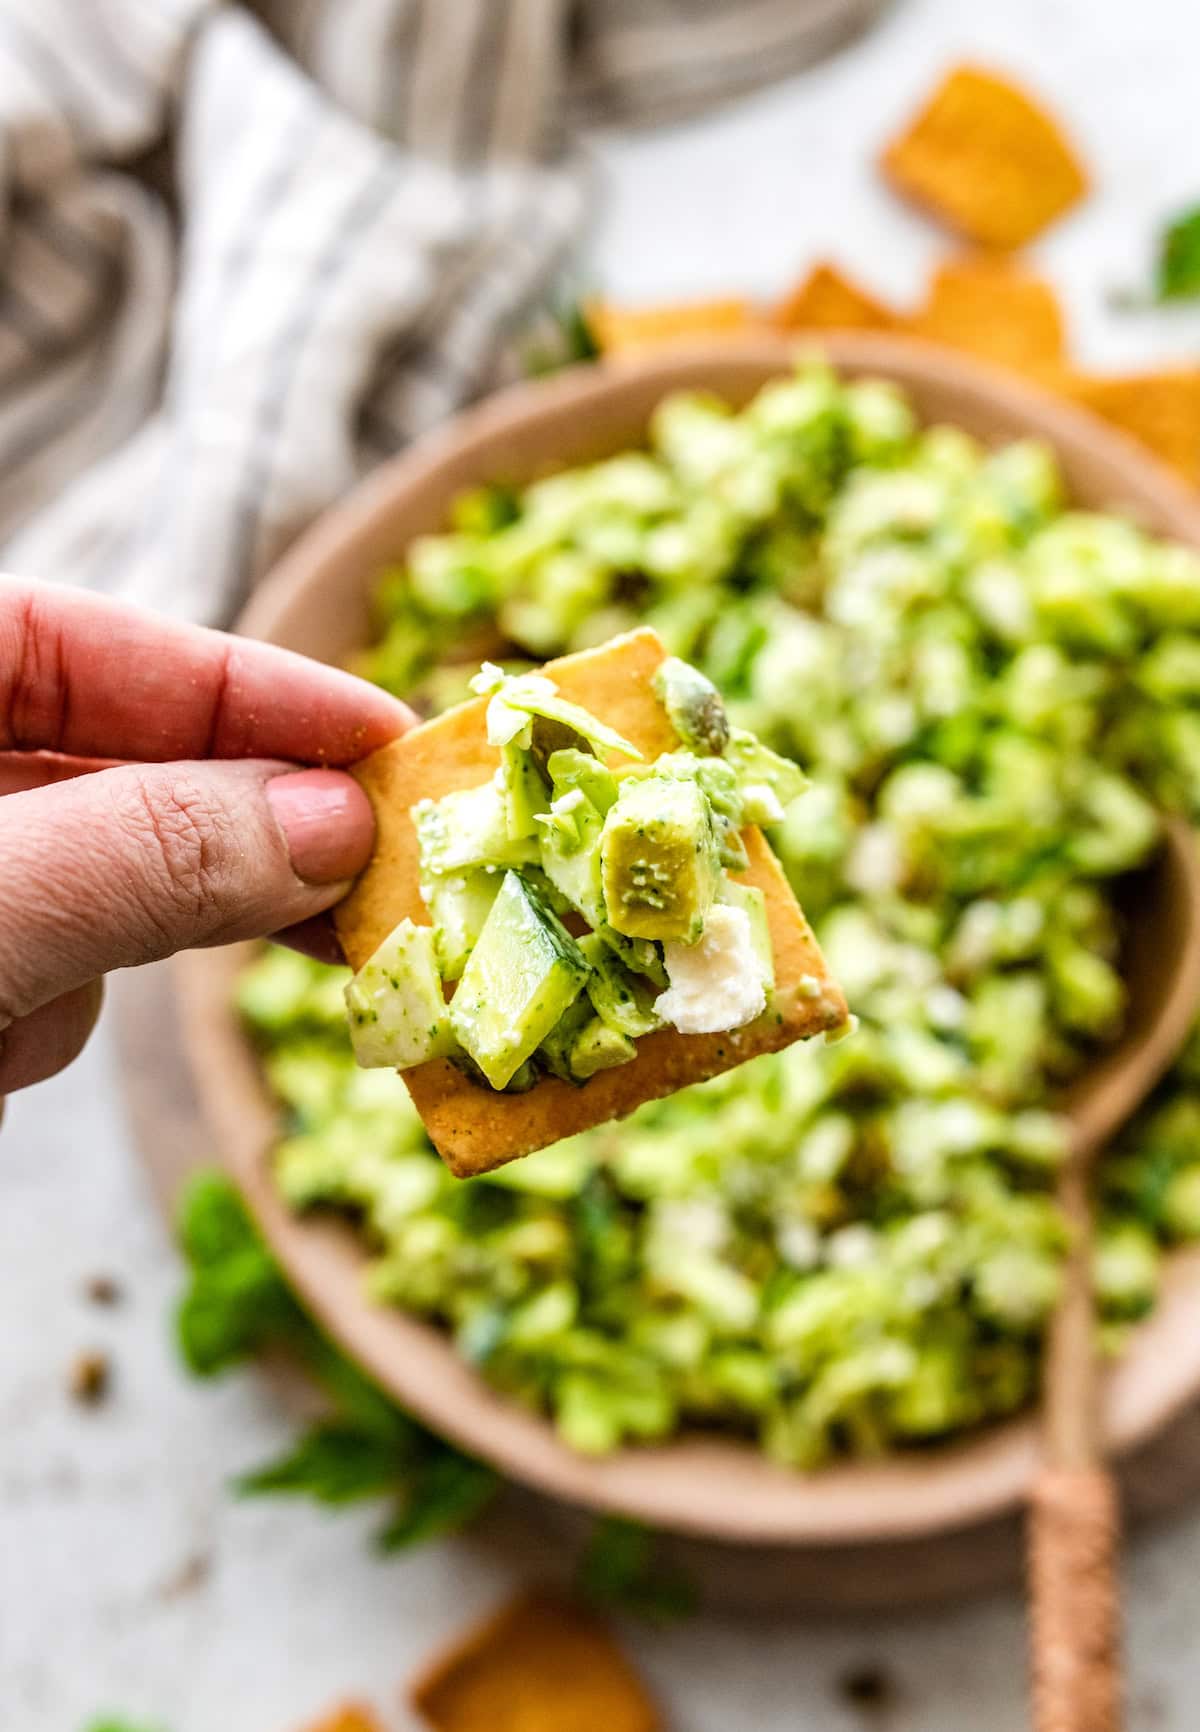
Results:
641 955
694 706
555 1051
659 860
570 769
571 855
622 999
398 1014
468 828
599 1047
523 973
458 907
525 793
768 782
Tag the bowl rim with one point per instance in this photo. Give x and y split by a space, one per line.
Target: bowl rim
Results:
697 1484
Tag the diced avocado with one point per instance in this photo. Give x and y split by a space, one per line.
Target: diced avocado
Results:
641 955
694 706
659 860
468 828
570 768
571 855
523 973
555 1051
525 793
622 999
768 782
599 1047
751 899
458 907
398 1014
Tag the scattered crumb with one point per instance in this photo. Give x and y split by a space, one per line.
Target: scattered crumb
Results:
102 1290
192 1573
91 1378
869 1688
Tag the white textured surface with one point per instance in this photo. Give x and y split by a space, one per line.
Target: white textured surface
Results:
104 1515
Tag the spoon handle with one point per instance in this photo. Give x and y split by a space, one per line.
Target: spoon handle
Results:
1074 1618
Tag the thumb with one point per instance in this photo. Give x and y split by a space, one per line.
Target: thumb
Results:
134 863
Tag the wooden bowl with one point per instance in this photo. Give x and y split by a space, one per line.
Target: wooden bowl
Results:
317 602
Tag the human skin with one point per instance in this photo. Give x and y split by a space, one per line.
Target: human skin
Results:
161 787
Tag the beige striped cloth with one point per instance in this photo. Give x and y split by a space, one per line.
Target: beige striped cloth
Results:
247 252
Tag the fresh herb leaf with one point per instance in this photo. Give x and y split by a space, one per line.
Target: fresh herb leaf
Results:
334 1463
1177 274
443 1495
237 1305
619 1571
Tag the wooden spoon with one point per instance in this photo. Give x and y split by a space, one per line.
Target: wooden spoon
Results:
1073 1518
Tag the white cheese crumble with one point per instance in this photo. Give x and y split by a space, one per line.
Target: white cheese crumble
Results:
716 983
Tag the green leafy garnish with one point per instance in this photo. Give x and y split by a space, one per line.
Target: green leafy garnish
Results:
1176 275
238 1304
620 1572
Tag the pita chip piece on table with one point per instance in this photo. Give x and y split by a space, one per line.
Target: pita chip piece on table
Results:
1161 410
633 330
991 307
350 1718
986 161
539 1665
575 853
828 300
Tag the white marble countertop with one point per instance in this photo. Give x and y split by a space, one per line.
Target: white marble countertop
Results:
129 1580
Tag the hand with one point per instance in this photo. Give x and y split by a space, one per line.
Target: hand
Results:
152 803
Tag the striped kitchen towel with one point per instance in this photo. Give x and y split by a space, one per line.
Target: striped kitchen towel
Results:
245 252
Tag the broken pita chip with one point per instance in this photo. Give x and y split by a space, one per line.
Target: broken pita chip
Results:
474 1128
986 161
539 1665
1160 410
634 330
992 308
352 1718
827 300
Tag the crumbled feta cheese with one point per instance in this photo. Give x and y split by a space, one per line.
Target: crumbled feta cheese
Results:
716 983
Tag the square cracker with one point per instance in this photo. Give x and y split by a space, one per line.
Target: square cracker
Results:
538 1665
475 1129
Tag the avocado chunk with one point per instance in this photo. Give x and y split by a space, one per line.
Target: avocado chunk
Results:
768 782
468 828
622 999
659 860
555 1051
599 1047
694 706
458 906
398 1014
523 973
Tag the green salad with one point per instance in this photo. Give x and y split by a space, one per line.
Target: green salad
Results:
844 1248
639 853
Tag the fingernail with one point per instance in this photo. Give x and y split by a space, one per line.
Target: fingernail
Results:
326 821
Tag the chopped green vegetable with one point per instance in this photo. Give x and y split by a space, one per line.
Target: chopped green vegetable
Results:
397 1011
694 705
659 859
524 972
854 1247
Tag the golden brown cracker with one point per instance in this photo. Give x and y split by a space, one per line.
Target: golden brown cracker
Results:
353 1717
828 300
1161 410
993 308
986 160
633 330
539 1665
475 1129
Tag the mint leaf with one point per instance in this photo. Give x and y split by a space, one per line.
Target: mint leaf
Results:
1177 274
238 1304
620 1572
334 1463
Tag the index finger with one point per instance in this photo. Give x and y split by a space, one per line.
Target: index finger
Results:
89 677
